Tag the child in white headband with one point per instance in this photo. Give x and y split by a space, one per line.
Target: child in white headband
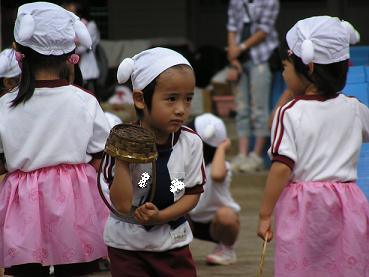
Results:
321 215
51 137
215 218
163 86
9 71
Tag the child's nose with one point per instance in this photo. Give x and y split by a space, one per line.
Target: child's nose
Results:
180 108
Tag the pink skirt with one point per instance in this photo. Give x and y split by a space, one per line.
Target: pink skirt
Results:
51 216
322 230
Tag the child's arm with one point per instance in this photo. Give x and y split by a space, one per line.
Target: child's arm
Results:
148 213
95 163
121 189
278 177
218 165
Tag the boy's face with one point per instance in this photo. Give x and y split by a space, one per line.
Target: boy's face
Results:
171 102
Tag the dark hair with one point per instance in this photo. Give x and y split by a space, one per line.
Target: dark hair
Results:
328 78
78 79
33 62
148 91
3 89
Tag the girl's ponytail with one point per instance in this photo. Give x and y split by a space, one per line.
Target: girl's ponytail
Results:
27 83
33 62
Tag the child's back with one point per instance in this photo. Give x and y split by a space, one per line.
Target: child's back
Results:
323 136
58 125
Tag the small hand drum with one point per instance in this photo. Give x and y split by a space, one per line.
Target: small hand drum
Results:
133 144
130 143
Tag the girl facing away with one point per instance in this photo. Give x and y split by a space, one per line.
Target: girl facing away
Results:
154 242
321 215
52 134
9 71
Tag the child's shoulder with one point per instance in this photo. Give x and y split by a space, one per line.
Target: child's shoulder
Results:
82 93
81 96
190 135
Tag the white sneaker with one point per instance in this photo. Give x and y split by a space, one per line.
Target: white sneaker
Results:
222 255
253 163
237 161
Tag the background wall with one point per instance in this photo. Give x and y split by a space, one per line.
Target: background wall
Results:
200 21
203 21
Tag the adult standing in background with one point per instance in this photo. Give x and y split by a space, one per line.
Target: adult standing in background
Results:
252 39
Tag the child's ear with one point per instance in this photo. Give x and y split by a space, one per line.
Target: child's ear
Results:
311 68
9 83
138 99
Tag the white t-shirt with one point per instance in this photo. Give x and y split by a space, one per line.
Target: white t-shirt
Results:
60 124
320 139
185 163
215 196
112 119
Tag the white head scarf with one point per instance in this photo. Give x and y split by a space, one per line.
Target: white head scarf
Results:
9 67
211 129
49 29
322 39
147 65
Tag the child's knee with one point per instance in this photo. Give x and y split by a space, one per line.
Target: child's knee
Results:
226 217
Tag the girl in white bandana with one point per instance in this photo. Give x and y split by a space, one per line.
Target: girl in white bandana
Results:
321 215
51 137
9 71
154 242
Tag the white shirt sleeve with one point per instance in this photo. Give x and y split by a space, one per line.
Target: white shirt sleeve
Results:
283 147
363 113
100 131
195 171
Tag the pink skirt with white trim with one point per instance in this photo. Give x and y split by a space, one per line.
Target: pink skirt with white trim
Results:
322 230
51 216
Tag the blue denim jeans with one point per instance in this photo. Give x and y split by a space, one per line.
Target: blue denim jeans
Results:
252 94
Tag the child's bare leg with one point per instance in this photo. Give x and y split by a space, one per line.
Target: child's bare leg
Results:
225 226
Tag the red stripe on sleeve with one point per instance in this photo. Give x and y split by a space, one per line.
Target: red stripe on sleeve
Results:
276 146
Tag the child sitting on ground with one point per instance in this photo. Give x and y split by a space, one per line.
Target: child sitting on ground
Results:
215 218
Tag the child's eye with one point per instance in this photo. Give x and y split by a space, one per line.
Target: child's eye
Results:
171 98
189 99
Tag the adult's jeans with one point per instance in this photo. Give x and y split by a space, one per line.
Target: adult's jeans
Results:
252 94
